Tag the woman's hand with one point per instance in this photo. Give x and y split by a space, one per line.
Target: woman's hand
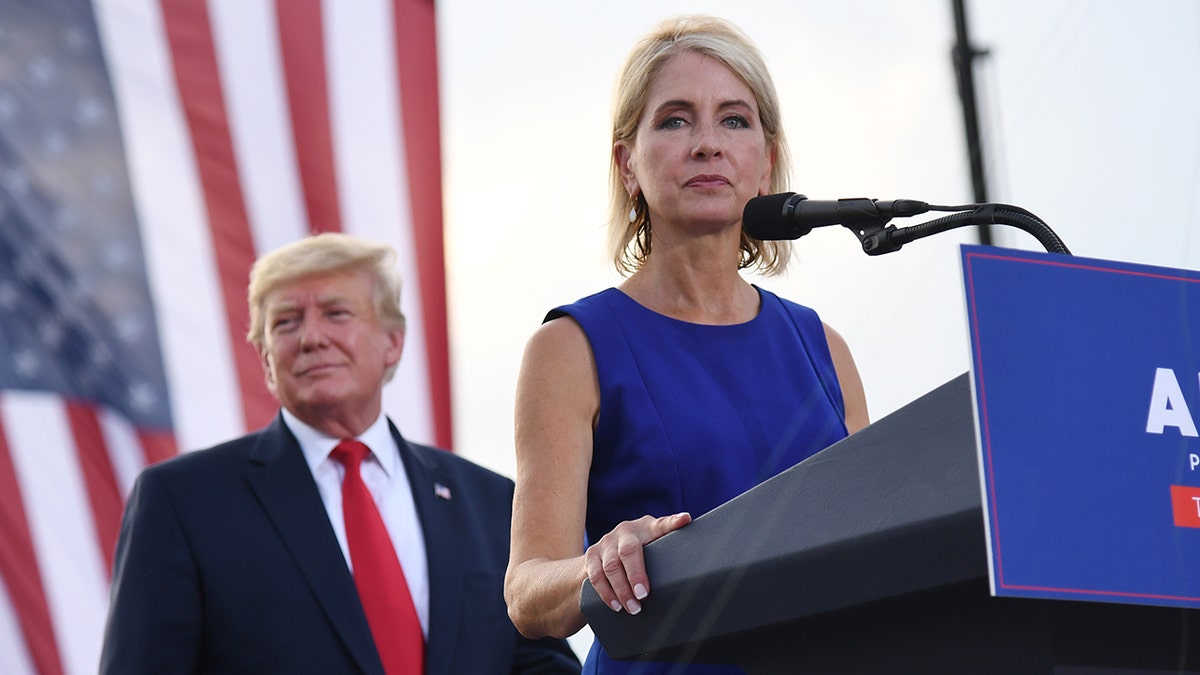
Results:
615 564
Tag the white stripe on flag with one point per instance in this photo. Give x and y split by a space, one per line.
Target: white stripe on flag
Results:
124 449
60 521
205 398
372 178
14 654
246 36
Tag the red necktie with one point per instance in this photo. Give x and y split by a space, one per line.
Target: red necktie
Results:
377 573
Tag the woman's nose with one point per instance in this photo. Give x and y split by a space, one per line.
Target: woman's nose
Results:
707 142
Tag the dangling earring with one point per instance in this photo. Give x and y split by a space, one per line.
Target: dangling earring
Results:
633 213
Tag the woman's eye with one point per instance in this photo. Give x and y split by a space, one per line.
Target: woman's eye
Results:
737 122
671 123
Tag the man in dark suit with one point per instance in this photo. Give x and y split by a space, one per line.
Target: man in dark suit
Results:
239 558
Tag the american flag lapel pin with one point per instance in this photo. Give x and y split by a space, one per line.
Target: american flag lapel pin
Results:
441 491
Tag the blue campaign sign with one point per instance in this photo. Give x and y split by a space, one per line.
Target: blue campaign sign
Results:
1086 376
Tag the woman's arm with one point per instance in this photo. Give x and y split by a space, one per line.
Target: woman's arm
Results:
558 399
853 396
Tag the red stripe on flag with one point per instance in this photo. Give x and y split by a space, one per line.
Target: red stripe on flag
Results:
98 477
302 43
19 568
157 445
189 35
416 66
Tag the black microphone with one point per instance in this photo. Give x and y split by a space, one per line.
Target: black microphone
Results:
790 216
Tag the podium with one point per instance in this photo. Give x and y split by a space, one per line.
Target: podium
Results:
871 557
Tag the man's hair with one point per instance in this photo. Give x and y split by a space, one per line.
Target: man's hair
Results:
322 254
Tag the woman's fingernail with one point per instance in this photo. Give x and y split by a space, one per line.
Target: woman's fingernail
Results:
639 591
616 605
633 606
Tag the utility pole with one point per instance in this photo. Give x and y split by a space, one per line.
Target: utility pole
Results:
964 55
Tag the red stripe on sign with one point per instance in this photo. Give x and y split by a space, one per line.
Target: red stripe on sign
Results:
98 477
189 35
416 65
19 569
302 43
1185 503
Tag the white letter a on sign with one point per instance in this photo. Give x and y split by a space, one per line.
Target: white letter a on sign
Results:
1167 406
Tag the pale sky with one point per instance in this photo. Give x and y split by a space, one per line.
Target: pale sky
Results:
1091 113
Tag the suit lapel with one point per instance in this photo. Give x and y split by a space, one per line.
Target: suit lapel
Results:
283 484
433 493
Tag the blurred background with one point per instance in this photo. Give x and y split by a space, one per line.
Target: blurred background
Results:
1090 118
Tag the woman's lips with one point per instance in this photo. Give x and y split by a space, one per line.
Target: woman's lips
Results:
707 180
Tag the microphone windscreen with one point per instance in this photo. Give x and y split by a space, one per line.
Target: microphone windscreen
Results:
762 218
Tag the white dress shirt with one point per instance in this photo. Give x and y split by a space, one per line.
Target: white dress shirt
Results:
384 474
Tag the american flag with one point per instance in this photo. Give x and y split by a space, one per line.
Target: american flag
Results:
149 151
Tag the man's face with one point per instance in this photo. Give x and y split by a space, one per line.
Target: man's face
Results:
325 351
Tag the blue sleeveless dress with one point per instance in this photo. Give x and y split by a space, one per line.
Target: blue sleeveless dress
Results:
693 415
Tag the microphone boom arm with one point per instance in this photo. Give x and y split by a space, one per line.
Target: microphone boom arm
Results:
878 238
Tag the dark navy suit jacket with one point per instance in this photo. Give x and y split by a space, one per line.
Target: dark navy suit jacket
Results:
227 563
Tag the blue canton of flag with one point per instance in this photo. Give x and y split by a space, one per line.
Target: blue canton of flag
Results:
77 317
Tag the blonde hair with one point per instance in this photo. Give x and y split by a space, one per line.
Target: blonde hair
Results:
630 241
321 254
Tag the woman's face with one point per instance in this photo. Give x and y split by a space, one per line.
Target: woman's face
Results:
699 153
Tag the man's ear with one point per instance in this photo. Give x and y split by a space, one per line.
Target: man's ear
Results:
395 346
268 372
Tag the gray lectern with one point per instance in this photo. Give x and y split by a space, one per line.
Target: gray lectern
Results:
870 557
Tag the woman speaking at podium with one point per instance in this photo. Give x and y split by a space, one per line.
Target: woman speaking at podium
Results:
647 404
